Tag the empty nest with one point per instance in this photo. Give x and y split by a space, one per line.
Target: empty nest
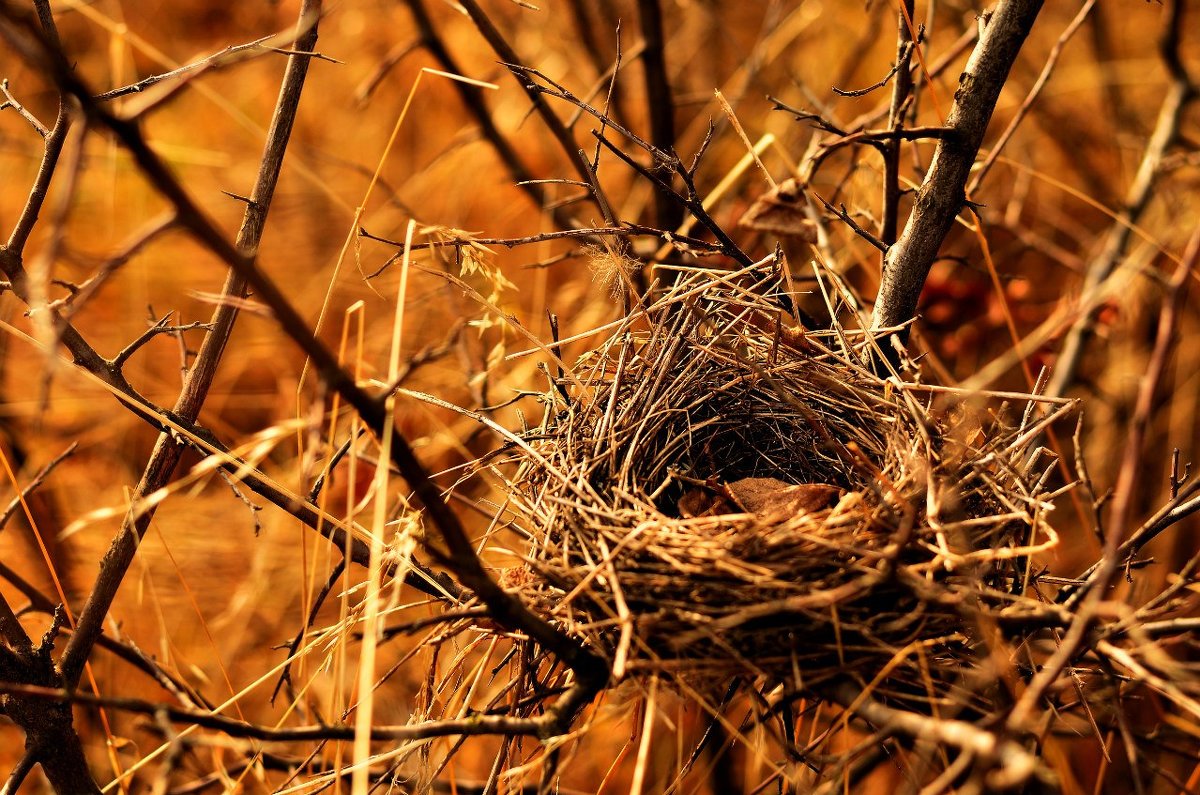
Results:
712 493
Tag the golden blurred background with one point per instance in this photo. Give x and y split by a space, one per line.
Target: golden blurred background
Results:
211 598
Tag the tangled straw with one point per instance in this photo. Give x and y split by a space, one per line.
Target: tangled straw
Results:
726 495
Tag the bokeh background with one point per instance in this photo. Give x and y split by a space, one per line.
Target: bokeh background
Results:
212 599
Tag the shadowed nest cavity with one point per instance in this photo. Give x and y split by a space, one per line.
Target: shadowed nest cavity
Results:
713 493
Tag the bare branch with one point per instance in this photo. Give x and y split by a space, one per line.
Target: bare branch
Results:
509 56
11 102
161 327
941 196
36 483
1180 94
168 450
660 104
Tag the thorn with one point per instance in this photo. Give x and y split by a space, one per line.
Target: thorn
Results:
241 198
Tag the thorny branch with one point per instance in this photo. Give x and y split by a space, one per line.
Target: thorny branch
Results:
942 194
508 55
460 555
168 450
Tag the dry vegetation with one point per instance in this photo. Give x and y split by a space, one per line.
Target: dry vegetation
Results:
680 497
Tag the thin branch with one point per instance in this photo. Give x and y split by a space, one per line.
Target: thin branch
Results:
543 726
87 358
900 102
1087 600
20 772
862 92
1030 98
225 57
849 221
38 600
1180 94
11 102
161 327
142 238
660 102
471 97
12 251
509 56
692 201
36 483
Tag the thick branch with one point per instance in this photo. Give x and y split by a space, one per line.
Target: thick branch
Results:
942 194
660 103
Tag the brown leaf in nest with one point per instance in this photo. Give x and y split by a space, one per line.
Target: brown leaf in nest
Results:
759 495
771 496
781 212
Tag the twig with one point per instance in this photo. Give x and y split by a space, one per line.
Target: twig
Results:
14 635
144 237
88 359
225 57
660 103
285 676
36 483
1180 94
11 102
849 221
862 92
692 201
942 194
160 327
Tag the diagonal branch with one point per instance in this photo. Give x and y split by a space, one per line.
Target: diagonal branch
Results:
1182 92
942 195
554 124
168 450
460 555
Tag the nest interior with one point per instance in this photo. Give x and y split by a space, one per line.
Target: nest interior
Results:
713 493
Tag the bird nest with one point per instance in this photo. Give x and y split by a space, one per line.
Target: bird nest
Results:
713 493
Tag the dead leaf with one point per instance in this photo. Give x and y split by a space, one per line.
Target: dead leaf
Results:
782 212
772 496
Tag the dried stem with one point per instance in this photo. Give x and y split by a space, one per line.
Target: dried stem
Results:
1180 94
